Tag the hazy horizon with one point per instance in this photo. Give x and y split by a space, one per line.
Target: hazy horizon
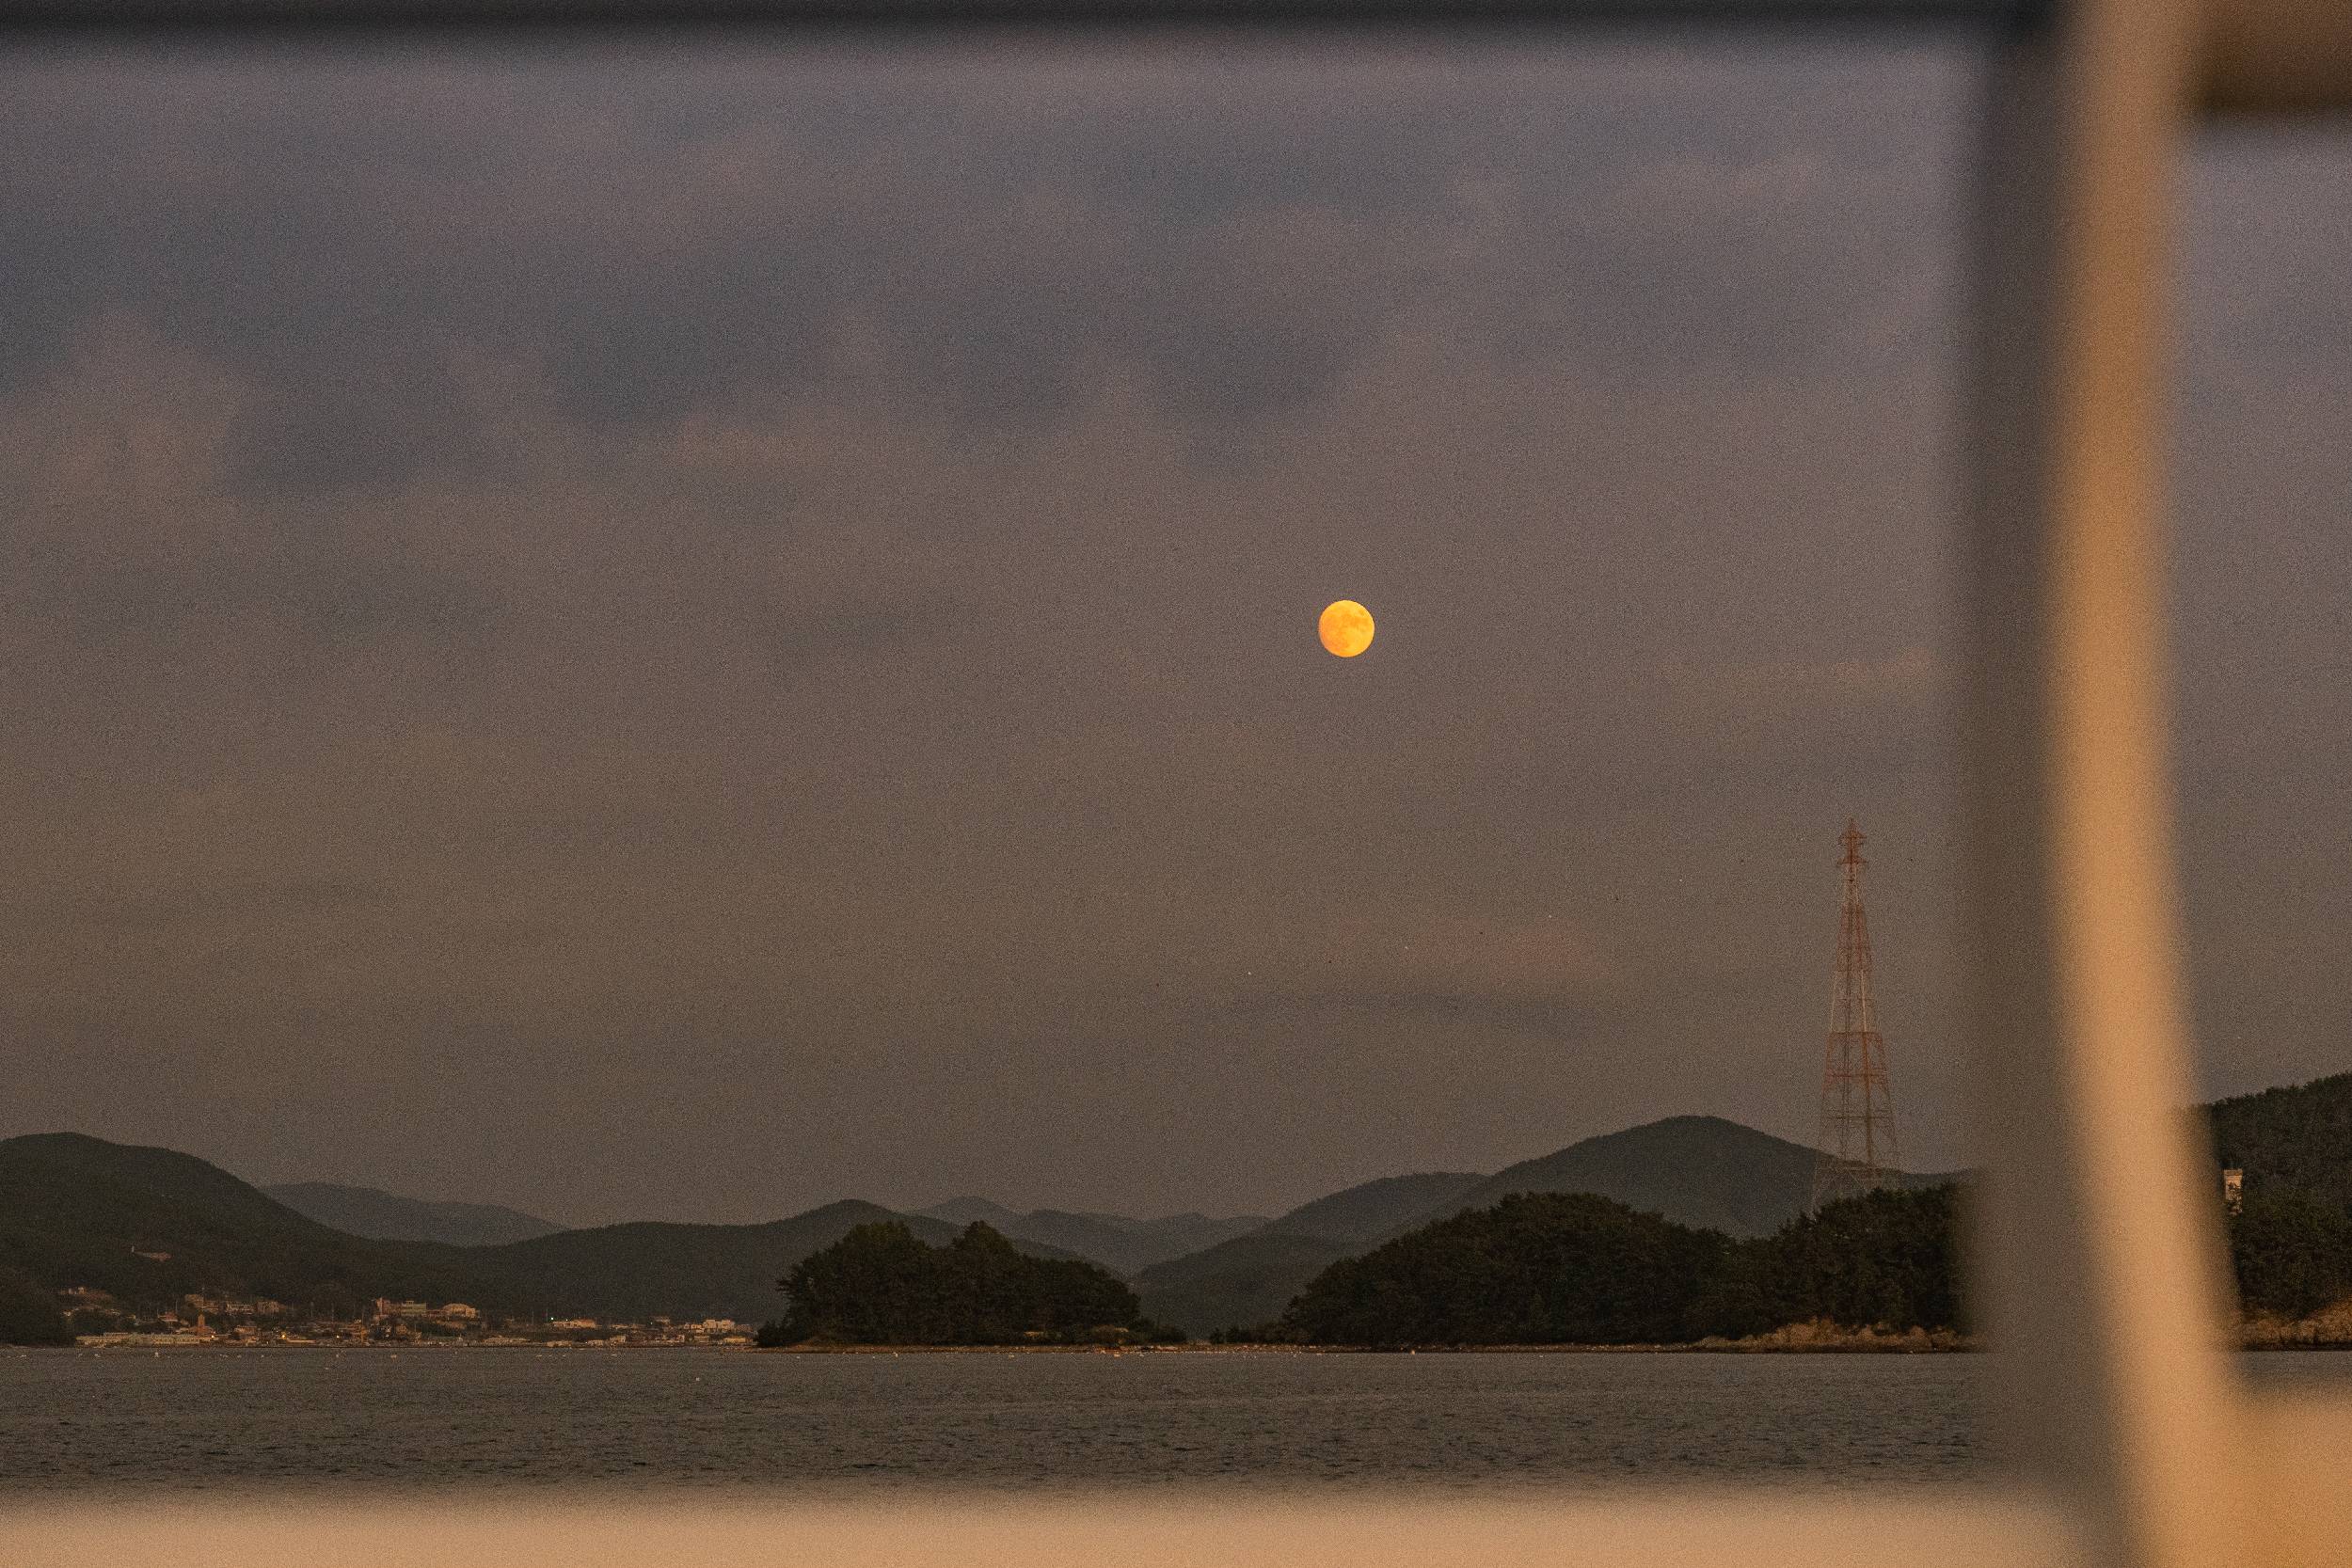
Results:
689 634
919 1206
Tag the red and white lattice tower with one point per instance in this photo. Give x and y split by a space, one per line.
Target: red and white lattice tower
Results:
1857 1139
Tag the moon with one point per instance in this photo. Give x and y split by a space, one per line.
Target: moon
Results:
1345 627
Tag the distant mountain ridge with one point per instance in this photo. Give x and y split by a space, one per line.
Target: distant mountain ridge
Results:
1372 1212
1114 1240
635 1270
1247 1280
388 1217
1703 1171
79 1210
150 1224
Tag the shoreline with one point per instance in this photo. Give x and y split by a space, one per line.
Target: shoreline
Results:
1857 1345
1880 1345
2327 1331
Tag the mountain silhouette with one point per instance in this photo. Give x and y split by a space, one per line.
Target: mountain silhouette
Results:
1701 1171
1118 1243
150 1224
389 1217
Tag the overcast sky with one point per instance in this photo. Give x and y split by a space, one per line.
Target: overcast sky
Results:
688 635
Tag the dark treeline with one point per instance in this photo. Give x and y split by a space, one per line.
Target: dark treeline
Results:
1576 1269
1569 1268
882 1285
2291 1245
2290 1139
30 1315
1552 1268
2290 1253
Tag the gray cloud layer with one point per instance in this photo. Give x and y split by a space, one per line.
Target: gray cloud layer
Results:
692 634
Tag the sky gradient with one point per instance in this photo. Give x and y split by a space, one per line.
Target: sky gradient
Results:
684 635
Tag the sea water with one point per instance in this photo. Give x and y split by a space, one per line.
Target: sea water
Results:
185 1420
200 1421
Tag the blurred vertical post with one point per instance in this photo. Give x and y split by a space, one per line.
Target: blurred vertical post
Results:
2099 1269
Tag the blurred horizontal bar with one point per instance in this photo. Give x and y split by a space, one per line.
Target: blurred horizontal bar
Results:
2300 1439
313 16
1791 1526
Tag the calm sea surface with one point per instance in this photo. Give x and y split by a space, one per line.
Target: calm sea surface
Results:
198 1421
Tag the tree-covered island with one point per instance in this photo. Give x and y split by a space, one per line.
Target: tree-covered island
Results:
1572 1269
882 1285
1535 1269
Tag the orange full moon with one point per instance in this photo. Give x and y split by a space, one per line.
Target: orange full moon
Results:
1345 627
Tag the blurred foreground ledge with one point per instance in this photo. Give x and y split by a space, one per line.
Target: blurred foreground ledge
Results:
1796 1525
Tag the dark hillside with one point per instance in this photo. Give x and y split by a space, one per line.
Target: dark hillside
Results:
1127 1245
1571 1268
389 1217
1694 1170
1371 1211
1535 1269
2297 1138
161 1173
629 1273
29 1314
961 1212
1888 1257
1115 1241
149 1224
880 1285
1240 1282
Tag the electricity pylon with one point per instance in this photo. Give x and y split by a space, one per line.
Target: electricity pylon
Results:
1857 1140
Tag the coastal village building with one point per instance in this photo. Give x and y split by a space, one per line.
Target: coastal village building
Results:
234 1306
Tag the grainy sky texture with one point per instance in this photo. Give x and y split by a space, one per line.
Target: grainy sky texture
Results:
684 635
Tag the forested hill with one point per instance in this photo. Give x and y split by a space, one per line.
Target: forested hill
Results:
1571 1268
150 1225
1249 1279
1694 1170
1713 1174
1370 1211
882 1285
1699 1171
636 1271
2297 1138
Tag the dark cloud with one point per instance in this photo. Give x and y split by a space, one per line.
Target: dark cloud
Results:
659 633
650 242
